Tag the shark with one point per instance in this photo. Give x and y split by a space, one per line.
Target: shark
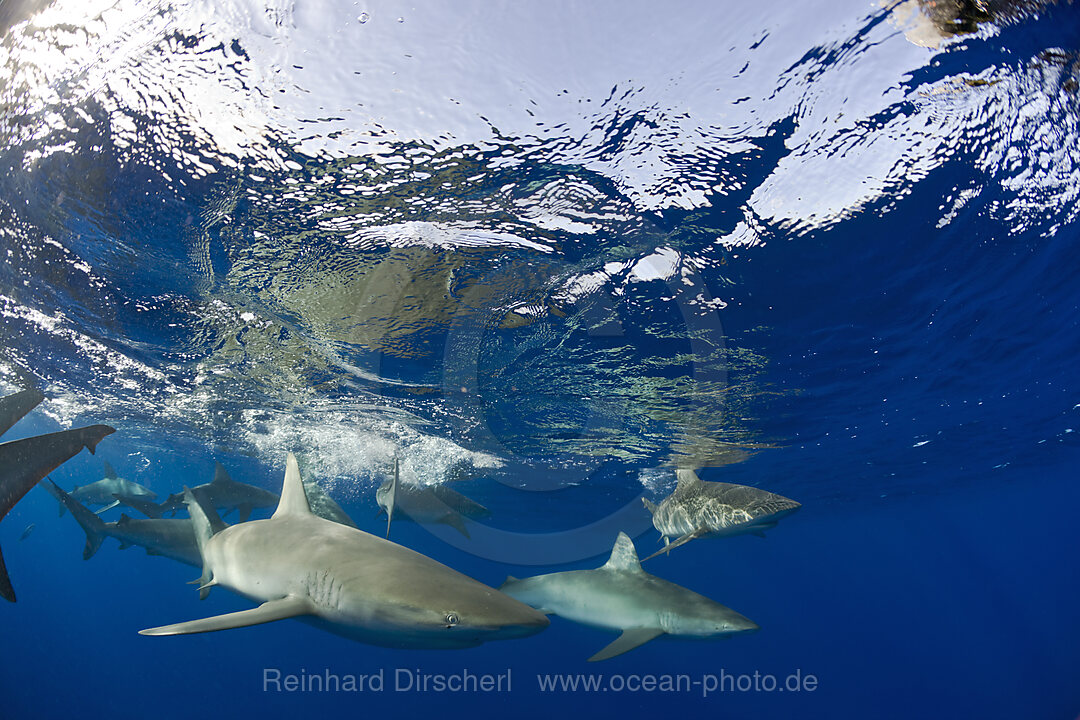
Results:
620 595
23 463
344 580
427 504
102 492
714 509
230 495
226 495
169 537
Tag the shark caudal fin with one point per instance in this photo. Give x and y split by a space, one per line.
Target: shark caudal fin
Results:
91 524
26 462
293 498
207 523
391 499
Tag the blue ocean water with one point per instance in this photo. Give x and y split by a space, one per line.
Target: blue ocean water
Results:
545 254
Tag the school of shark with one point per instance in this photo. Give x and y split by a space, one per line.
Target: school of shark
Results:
309 561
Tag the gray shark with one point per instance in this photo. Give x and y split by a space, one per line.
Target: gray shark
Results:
620 595
239 496
169 537
345 581
23 463
226 495
713 509
427 504
103 491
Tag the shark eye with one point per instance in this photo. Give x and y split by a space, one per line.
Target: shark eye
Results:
451 619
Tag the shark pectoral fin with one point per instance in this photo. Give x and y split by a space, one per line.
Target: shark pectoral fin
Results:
681 541
280 609
391 499
107 507
205 583
759 530
457 522
629 640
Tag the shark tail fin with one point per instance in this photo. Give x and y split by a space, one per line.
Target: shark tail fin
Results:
204 519
6 591
91 524
391 499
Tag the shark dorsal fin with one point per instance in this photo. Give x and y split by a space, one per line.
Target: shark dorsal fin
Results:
293 500
687 479
221 475
623 555
110 471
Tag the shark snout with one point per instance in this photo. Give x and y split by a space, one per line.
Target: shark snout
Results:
506 619
518 621
741 624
